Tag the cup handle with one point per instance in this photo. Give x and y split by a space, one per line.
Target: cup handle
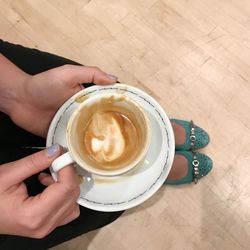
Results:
62 161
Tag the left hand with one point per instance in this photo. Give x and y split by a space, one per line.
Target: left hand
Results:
42 94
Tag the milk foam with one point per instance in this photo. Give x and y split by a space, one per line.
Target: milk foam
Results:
107 139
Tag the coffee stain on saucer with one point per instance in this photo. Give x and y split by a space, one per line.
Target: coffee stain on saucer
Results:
81 99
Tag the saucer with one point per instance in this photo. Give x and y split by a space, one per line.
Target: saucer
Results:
122 192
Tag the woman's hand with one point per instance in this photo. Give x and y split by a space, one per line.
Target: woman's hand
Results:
36 216
32 101
41 95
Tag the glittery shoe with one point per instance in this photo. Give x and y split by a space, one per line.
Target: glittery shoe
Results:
199 165
196 137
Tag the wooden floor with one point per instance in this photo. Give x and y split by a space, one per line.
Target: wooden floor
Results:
193 56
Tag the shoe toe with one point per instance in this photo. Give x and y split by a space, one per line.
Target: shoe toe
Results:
202 138
205 164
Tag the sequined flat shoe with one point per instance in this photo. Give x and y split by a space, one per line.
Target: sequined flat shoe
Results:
199 165
196 137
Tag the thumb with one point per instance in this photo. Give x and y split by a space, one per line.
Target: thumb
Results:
83 74
15 172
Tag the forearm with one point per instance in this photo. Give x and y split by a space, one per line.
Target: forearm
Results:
11 81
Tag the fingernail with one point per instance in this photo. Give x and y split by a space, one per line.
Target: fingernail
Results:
42 175
112 77
53 150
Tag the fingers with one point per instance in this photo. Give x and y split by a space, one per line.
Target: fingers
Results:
61 193
72 215
15 172
83 74
46 179
65 213
67 175
56 205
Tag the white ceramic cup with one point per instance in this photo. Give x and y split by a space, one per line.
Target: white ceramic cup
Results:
74 156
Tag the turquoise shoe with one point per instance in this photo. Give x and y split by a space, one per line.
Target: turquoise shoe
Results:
196 137
199 165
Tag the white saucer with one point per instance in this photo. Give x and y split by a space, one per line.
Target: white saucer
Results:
129 190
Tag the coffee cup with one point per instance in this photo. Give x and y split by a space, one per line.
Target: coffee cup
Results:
107 135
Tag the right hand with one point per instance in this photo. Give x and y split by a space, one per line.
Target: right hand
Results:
36 216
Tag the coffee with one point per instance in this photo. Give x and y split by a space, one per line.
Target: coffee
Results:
109 134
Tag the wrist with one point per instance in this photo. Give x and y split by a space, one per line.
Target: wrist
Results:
12 81
10 95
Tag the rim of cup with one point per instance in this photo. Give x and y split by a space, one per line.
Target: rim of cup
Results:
78 159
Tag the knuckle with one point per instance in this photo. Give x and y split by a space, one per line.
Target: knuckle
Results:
65 70
69 188
74 214
67 67
30 164
38 229
72 188
77 212
95 68
31 222
33 160
39 234
76 191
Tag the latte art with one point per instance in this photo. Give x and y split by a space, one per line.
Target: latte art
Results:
109 137
105 136
110 133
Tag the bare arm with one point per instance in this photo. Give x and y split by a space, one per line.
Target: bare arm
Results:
26 98
11 80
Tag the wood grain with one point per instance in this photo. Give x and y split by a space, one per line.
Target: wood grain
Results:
194 57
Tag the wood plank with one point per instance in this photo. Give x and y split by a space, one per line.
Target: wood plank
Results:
194 58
